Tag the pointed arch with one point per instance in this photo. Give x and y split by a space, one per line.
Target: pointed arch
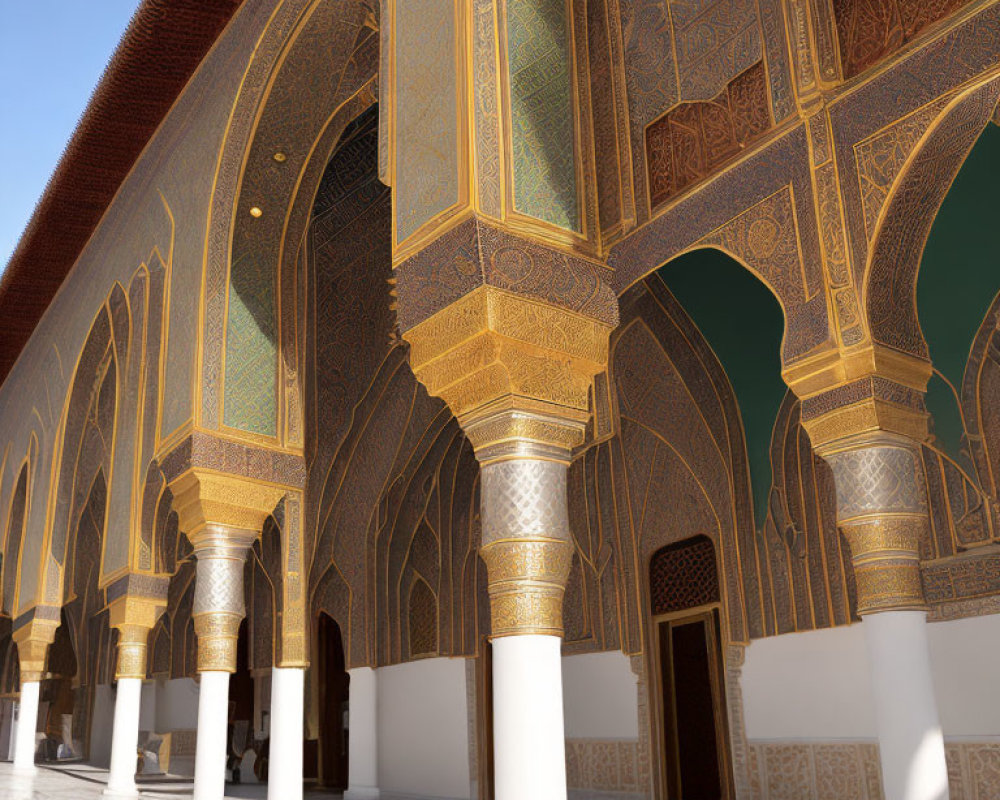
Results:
271 162
423 619
904 222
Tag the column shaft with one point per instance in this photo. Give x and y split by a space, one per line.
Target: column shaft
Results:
527 550
217 612
882 510
529 743
210 755
27 721
124 739
284 780
910 738
363 750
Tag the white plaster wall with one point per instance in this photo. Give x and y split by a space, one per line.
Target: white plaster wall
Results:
423 729
964 658
147 707
101 725
600 697
816 685
176 705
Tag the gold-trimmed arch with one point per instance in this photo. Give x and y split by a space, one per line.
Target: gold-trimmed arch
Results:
889 282
269 168
14 531
103 355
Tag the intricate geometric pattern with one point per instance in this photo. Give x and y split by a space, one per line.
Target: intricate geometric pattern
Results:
542 115
423 616
877 480
425 141
683 575
694 139
603 765
766 238
713 41
881 157
522 497
251 387
870 30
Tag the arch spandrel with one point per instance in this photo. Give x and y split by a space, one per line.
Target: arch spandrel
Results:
761 212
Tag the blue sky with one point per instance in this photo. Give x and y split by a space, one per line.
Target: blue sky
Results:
52 54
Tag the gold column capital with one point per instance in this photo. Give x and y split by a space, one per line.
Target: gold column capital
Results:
33 640
134 617
860 392
206 500
515 371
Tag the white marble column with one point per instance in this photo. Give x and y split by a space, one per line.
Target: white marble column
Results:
883 512
220 553
27 722
284 780
124 740
527 550
529 743
211 749
911 744
363 725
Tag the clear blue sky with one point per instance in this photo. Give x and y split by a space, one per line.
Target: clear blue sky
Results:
52 54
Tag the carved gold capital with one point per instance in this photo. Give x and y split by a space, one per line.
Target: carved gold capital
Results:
886 560
832 367
33 640
527 580
220 554
512 369
217 632
861 392
205 498
134 617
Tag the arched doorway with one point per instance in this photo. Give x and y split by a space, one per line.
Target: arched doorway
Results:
241 705
334 685
64 709
690 716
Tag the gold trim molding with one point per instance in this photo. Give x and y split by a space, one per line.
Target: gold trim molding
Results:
512 369
885 554
134 617
33 642
831 368
203 498
527 581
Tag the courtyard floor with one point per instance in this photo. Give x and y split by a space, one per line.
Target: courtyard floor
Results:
84 782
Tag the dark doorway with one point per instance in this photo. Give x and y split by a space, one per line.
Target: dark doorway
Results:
691 721
334 685
241 700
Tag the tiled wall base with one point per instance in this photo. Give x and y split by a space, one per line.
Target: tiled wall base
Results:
850 770
602 765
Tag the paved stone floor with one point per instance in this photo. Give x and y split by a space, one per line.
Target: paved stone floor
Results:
84 782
